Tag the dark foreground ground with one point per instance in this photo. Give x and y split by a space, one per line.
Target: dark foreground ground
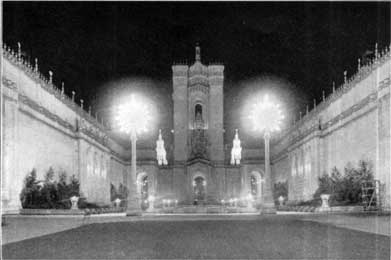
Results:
278 237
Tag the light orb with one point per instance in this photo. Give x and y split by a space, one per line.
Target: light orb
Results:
133 116
266 116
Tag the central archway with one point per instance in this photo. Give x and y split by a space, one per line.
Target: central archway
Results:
199 190
256 187
143 189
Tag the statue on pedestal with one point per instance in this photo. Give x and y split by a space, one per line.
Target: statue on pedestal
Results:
236 152
160 151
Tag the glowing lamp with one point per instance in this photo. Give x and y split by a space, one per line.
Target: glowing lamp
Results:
133 116
266 116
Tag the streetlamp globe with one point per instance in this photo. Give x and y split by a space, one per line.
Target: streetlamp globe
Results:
267 117
133 118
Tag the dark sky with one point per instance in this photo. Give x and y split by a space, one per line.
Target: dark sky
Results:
88 44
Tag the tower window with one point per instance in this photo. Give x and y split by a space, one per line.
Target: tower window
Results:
198 111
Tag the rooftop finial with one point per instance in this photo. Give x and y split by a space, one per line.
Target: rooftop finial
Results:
323 95
333 86
50 77
81 103
19 50
62 88
198 52
376 52
36 65
73 95
345 73
359 64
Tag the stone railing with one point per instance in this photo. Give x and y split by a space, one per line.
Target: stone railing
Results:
47 83
97 130
349 83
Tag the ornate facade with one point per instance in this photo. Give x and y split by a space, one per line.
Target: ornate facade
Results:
43 127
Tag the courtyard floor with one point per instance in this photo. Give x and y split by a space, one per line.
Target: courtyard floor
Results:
196 237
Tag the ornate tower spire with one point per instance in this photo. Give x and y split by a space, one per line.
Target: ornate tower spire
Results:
198 53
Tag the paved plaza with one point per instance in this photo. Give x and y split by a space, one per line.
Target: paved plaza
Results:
199 237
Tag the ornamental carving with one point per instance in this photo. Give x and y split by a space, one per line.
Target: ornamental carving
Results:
199 143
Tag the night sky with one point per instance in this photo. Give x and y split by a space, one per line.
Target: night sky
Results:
91 45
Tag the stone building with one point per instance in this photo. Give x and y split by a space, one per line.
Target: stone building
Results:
43 127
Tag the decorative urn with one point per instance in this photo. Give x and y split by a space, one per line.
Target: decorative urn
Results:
74 200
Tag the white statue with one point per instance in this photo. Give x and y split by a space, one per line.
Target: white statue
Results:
236 152
160 151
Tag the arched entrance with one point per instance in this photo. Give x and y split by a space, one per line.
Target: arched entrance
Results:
199 190
143 190
253 186
256 187
144 193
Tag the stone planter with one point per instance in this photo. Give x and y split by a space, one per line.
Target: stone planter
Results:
74 200
281 200
117 203
325 202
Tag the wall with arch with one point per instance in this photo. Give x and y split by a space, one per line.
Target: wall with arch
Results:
350 125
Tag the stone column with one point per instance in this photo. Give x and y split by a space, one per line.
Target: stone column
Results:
133 205
268 203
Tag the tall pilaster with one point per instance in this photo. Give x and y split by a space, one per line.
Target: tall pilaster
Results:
216 106
383 146
9 138
180 79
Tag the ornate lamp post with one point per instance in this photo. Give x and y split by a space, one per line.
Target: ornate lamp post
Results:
267 117
133 118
